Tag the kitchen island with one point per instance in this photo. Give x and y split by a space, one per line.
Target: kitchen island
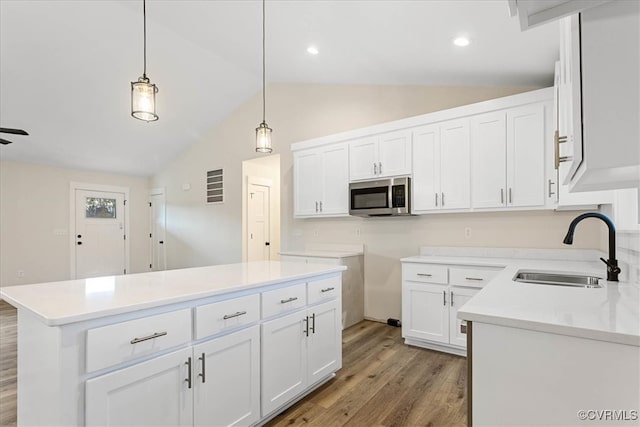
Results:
222 345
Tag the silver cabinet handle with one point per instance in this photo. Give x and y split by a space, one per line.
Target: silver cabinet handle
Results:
442 198
380 168
236 314
436 199
326 290
148 337
463 327
375 169
316 206
502 196
551 193
313 323
557 139
188 379
424 274
320 206
444 297
306 325
451 298
203 373
474 278
510 198
284 301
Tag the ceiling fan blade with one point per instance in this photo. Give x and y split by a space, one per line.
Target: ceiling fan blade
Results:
13 131
4 141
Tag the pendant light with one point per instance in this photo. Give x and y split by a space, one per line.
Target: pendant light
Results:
143 92
263 132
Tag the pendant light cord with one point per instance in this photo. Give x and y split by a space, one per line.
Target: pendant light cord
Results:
264 103
144 26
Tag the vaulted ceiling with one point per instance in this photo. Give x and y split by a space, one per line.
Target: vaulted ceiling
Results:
65 66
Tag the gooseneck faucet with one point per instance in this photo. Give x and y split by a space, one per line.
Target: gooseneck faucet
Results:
612 263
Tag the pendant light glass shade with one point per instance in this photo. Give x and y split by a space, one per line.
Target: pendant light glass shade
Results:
143 100
263 138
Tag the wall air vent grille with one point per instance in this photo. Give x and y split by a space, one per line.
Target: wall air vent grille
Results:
215 186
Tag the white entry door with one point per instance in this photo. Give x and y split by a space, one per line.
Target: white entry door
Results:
157 258
258 222
99 234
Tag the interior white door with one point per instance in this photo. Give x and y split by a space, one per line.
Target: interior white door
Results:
457 298
394 154
335 180
325 340
157 222
426 168
488 160
426 314
454 165
99 234
258 222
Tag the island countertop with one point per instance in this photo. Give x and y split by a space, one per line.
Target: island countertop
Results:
58 303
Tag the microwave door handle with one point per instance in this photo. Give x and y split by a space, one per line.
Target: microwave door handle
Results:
390 196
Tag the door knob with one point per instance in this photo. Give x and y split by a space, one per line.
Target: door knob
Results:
267 243
79 236
79 243
161 242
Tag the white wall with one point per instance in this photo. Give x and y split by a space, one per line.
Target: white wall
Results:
202 234
34 201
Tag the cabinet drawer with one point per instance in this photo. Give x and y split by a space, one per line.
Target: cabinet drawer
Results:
425 273
121 342
284 300
220 316
325 289
475 277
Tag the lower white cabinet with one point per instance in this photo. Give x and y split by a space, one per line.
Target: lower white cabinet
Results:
425 314
297 351
457 298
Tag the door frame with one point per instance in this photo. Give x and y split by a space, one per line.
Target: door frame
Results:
158 192
245 213
73 186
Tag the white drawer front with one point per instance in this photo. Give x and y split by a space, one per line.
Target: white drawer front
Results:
428 273
284 300
475 277
113 344
220 316
325 289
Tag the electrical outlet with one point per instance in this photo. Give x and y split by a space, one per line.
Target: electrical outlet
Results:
358 232
20 274
315 233
467 232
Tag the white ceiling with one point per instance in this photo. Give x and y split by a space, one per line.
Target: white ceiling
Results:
65 66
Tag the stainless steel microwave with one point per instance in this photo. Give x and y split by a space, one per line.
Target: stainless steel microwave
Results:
381 197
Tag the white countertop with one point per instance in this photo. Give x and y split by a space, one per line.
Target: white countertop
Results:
610 313
322 253
71 301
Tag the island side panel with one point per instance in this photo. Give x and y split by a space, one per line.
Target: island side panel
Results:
536 378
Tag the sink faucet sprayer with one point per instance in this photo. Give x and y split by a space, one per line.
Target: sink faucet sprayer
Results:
612 263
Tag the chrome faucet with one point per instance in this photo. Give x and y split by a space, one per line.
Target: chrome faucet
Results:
612 263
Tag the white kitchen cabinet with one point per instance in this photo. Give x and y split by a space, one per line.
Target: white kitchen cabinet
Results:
441 167
458 297
299 350
227 379
507 160
425 314
380 156
321 181
154 393
532 13
605 43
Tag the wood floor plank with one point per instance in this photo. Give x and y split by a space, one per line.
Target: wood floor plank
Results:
8 364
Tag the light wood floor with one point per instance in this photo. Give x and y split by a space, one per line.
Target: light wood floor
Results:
382 383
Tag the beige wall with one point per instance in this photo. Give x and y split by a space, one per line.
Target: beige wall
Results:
201 234
34 201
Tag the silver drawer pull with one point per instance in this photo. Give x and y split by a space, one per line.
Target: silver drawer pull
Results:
424 274
149 337
284 301
231 316
326 290
474 278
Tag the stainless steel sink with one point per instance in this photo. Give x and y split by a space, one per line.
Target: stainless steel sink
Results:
558 279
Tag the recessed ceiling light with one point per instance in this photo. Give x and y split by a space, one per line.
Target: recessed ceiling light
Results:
461 41
312 50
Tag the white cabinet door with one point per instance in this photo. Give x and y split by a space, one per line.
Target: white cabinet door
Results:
284 360
425 312
306 182
152 393
325 340
227 380
488 160
457 298
394 154
525 156
334 177
426 168
363 158
454 165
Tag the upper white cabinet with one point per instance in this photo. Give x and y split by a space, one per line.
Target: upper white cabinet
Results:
321 181
380 156
532 13
603 54
441 166
507 160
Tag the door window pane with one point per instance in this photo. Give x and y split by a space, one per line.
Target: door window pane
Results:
97 207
